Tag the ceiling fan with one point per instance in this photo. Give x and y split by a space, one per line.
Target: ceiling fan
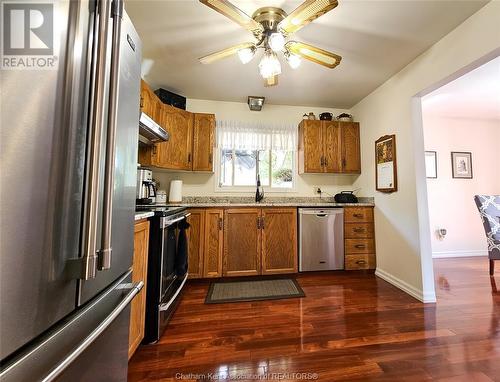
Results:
272 28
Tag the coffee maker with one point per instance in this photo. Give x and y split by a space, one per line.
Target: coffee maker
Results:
146 189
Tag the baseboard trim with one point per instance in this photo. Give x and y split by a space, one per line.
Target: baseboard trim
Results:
445 254
426 297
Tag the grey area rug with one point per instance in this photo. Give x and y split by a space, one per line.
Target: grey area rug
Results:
253 290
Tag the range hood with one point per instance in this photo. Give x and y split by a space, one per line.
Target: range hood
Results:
150 132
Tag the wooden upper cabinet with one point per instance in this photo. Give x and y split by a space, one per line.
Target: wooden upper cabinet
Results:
351 152
279 240
329 147
214 225
149 102
203 142
196 239
332 157
310 147
176 153
139 273
242 242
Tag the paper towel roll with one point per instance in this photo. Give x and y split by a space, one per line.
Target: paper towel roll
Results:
175 194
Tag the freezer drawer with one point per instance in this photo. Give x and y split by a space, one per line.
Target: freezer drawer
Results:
321 239
89 345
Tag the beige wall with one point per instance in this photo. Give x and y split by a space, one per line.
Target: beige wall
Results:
402 228
196 184
451 204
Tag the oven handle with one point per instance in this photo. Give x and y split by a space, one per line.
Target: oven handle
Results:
170 222
165 306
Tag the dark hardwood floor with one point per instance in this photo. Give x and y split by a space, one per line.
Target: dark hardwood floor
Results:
350 326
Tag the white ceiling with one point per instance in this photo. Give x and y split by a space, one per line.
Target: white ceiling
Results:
375 38
474 95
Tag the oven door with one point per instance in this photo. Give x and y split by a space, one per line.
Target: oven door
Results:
169 253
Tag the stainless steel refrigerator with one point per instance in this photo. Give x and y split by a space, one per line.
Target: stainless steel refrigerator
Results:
68 150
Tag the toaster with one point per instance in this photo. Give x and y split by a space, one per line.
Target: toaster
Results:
346 197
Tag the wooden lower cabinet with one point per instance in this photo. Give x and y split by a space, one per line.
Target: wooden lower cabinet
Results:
359 238
205 240
196 236
139 273
279 240
214 241
242 242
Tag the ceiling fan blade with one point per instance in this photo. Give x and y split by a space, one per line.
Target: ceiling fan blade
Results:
314 54
271 81
225 53
308 11
232 12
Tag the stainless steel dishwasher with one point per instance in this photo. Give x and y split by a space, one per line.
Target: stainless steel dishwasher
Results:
321 235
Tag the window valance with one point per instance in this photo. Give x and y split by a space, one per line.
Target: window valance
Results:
256 136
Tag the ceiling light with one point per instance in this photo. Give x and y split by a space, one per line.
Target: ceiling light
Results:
246 54
277 42
269 66
293 60
255 103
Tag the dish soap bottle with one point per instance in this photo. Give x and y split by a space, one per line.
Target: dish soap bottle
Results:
258 194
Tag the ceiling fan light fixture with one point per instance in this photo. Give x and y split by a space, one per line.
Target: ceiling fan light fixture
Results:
269 65
277 41
293 60
246 54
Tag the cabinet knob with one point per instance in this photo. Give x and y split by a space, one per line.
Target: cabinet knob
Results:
358 216
142 102
359 230
361 262
360 246
210 155
189 158
221 224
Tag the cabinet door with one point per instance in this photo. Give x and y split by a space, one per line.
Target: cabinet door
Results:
279 240
203 142
332 147
212 263
149 102
176 153
311 147
196 235
139 272
242 241
351 152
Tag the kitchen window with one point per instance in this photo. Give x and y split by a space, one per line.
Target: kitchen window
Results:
239 168
248 150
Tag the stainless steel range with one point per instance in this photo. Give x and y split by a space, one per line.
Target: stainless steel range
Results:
167 268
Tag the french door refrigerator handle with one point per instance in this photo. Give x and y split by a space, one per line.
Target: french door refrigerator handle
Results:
97 120
104 259
134 289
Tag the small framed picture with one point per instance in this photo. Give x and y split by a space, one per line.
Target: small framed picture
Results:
461 165
431 164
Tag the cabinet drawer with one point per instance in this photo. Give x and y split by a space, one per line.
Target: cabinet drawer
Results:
358 230
366 261
355 246
358 214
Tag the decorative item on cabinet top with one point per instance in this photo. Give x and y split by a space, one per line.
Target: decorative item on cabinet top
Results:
192 136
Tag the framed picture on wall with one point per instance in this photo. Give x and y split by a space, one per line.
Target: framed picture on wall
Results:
385 164
461 165
431 164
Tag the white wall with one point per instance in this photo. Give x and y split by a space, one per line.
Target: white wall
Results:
451 204
401 219
202 184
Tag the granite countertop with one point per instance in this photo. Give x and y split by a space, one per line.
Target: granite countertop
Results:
235 201
143 215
